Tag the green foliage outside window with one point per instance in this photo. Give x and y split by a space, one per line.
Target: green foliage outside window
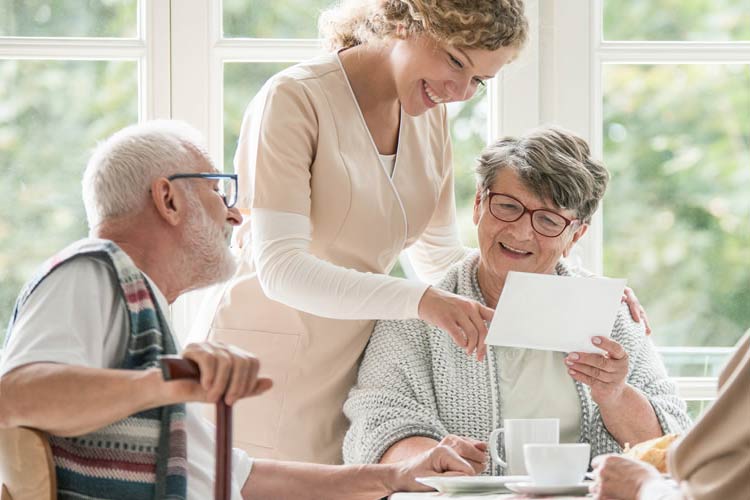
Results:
265 19
69 18
677 213
52 113
677 20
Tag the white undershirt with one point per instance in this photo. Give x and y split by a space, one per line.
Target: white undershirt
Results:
389 163
290 274
75 317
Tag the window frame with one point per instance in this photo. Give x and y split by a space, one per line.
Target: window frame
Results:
577 29
149 49
180 54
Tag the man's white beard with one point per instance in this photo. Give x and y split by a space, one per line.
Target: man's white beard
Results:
208 259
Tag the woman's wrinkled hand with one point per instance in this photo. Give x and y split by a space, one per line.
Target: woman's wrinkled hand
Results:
617 477
605 373
453 456
464 319
637 311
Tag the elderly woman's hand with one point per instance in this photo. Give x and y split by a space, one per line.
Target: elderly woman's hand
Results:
464 319
637 312
604 373
620 477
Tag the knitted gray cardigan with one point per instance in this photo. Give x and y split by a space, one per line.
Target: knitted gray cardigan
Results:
414 381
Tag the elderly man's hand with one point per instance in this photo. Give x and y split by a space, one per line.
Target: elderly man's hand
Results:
604 373
225 370
464 319
619 477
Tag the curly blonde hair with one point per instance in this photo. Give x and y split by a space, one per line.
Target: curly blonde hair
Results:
476 24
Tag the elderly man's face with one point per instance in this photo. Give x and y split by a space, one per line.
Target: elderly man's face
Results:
515 246
207 230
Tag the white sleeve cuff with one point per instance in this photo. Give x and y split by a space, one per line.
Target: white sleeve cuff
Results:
242 465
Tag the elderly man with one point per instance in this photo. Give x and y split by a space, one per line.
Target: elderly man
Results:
535 197
84 340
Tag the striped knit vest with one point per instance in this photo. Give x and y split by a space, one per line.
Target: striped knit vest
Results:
143 456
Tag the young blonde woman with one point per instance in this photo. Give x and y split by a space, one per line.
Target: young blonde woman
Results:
345 161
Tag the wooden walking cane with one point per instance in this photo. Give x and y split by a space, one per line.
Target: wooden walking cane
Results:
175 368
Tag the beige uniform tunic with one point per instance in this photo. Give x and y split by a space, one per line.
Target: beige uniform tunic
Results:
304 148
712 461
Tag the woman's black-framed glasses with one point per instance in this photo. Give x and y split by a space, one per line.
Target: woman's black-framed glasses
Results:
545 222
227 184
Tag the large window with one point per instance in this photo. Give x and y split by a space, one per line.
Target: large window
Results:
674 112
661 90
69 77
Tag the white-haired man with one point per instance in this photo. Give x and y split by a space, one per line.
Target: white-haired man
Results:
85 337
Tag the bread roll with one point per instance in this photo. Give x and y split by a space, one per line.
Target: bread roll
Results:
653 451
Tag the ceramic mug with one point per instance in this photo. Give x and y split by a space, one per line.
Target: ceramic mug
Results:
518 432
557 464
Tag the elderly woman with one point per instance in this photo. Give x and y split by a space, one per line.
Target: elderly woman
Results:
535 198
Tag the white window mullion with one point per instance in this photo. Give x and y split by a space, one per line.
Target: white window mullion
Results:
568 89
155 67
71 48
190 63
517 108
266 50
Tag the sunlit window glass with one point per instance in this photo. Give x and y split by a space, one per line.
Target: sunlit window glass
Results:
52 114
677 20
69 18
677 214
468 122
265 19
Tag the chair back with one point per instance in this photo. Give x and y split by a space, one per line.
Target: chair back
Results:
27 470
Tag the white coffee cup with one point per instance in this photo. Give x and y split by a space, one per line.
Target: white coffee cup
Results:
557 464
518 432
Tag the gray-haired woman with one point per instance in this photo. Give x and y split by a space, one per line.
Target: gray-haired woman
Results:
415 387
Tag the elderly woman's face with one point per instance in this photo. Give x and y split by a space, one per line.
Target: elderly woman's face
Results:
515 246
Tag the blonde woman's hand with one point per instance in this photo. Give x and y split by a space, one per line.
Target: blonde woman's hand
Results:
637 312
464 319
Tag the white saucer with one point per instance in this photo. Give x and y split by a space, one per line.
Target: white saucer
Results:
470 484
527 488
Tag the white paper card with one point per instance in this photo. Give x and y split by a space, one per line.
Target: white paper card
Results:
555 313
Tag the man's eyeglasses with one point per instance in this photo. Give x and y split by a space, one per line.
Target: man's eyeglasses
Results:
545 222
227 184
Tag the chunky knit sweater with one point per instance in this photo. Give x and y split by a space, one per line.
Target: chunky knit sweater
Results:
414 381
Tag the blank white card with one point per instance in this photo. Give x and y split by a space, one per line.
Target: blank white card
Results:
555 313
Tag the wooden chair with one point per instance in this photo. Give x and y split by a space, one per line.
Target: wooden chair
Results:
27 471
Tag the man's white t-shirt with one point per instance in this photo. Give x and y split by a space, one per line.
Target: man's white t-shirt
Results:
76 317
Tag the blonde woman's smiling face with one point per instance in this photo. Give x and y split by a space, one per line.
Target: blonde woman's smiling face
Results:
427 73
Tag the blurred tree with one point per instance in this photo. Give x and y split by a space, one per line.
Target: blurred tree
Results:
75 18
52 113
677 213
677 20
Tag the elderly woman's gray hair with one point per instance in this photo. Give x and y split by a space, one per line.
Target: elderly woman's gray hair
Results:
118 175
553 163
